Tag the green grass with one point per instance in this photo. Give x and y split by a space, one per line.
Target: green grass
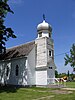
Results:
22 93
70 84
34 93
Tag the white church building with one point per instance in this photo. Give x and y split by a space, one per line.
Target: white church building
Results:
31 63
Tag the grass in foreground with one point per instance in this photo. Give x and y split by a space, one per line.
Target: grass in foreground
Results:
37 93
70 84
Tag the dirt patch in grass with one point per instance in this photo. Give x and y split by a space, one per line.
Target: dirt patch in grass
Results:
68 89
61 92
42 98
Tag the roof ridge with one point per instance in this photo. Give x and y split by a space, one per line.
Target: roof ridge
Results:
20 45
18 51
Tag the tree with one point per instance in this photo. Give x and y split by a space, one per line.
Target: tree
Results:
5 33
68 73
56 74
62 75
70 58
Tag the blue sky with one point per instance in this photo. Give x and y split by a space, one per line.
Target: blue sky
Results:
28 14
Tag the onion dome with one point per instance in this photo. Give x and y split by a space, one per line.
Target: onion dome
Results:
44 26
44 29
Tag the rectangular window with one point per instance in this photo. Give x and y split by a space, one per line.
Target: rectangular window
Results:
49 34
50 53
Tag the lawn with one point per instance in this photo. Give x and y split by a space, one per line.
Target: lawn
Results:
34 93
70 84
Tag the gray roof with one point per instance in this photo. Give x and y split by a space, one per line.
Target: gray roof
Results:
18 51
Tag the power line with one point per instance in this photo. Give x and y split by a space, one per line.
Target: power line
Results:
62 53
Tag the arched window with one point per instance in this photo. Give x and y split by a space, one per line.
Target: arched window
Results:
17 70
7 71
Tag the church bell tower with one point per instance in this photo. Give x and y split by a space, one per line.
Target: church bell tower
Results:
45 67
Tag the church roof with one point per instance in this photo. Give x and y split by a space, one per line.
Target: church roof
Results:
18 51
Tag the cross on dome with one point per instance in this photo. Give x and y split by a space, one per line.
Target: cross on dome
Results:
43 16
44 26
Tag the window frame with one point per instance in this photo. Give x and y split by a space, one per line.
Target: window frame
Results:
17 70
50 53
7 71
40 34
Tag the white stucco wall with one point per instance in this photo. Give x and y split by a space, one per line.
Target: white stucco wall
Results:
45 34
50 59
50 76
31 68
3 68
44 60
41 59
21 79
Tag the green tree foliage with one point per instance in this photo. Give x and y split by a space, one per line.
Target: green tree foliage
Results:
70 58
68 73
61 75
56 74
5 33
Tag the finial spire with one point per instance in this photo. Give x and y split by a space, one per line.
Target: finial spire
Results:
43 16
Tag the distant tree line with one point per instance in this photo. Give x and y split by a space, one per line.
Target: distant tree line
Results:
67 76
